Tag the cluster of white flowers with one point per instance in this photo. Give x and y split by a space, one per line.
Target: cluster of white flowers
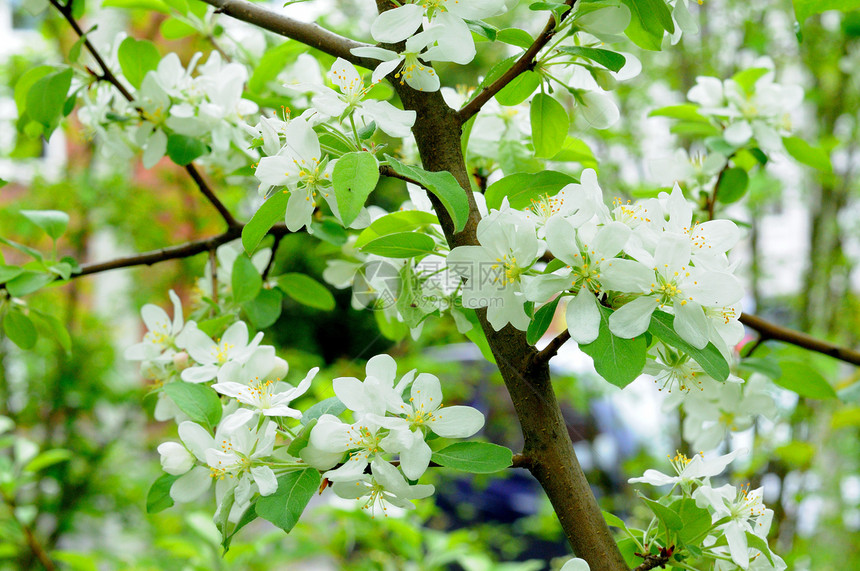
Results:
736 513
634 258
207 106
759 109
385 446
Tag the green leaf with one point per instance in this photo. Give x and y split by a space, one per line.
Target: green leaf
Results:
550 124
307 291
482 29
443 185
148 5
270 213
329 230
402 221
272 63
19 329
665 514
9 272
797 454
136 59
541 322
354 177
576 151
804 379
697 521
46 98
522 188
757 542
301 440
182 149
686 112
401 245
732 185
26 82
245 280
175 29
610 60
803 9
805 153
619 361
217 325
53 222
648 20
519 89
474 457
285 507
28 282
47 458
331 405
709 358
515 37
766 366
749 77
51 326
265 309
158 498
200 402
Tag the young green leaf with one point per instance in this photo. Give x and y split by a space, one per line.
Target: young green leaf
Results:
474 457
265 309
306 290
619 361
200 402
402 221
732 185
158 498
709 358
354 177
136 59
46 98
270 213
401 245
805 153
28 282
610 60
519 89
805 380
245 280
331 405
443 185
182 149
53 222
285 506
550 124
19 329
522 188
541 322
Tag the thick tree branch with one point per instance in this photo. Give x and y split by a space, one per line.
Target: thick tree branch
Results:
308 34
526 62
771 331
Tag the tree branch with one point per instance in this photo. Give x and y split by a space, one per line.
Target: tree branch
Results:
525 62
548 352
173 252
107 75
308 34
771 331
210 196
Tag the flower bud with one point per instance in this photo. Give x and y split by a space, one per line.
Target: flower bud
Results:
175 459
180 360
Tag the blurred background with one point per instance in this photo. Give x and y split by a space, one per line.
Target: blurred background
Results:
85 417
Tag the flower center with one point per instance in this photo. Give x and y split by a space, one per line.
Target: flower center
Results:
507 270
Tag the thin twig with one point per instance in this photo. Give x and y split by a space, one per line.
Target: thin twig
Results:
386 170
653 561
271 263
526 62
210 196
107 75
775 332
32 542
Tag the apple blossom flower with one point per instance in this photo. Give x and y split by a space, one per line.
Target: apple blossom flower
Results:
211 355
160 338
395 122
494 270
300 168
448 39
396 25
689 471
385 486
